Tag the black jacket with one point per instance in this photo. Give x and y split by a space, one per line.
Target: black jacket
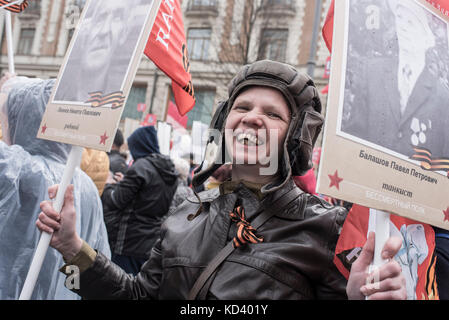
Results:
294 261
134 207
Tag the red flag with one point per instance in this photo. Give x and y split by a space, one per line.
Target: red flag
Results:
307 182
416 257
325 90
167 48
174 118
328 27
18 7
150 120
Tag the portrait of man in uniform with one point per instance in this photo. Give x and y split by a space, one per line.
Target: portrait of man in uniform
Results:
103 49
396 95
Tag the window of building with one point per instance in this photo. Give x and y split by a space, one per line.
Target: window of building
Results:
273 44
137 95
26 41
202 111
198 41
79 3
73 15
34 7
202 4
278 3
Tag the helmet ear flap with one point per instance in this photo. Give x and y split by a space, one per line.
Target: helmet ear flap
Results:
218 119
217 125
214 154
303 137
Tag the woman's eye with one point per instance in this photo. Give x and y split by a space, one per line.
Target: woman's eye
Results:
274 115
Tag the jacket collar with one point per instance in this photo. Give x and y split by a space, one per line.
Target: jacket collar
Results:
230 186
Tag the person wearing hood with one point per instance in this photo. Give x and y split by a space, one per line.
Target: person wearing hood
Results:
28 166
135 206
257 236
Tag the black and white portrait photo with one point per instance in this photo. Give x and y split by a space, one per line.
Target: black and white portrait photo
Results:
103 49
396 92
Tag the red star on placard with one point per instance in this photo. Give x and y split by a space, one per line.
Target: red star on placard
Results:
446 214
335 180
44 128
103 138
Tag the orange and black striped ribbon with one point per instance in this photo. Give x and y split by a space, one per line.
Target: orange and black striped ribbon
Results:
427 163
431 281
15 7
97 99
245 232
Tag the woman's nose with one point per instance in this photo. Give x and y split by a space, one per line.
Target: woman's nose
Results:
252 118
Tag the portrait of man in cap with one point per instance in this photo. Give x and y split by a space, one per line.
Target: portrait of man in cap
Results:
396 93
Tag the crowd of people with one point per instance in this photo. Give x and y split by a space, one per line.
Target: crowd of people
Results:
149 232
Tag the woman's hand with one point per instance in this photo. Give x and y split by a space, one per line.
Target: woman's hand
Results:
383 283
62 226
118 176
114 178
110 178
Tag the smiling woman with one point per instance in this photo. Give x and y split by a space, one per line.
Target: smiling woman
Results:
257 230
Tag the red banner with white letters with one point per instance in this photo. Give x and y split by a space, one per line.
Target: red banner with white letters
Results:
167 48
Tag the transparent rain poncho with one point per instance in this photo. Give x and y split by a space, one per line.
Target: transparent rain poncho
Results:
27 168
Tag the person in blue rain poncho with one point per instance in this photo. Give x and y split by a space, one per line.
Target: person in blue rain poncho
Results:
28 166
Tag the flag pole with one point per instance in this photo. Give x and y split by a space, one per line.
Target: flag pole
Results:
316 26
382 235
8 29
382 230
73 161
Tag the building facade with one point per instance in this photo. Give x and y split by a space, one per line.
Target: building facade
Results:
222 35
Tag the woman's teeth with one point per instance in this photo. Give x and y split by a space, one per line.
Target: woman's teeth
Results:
248 139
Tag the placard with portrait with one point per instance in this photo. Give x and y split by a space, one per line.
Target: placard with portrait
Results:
97 73
386 140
